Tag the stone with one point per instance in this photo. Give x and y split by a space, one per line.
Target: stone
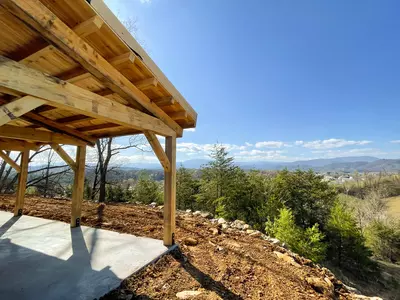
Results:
274 241
250 231
285 257
188 211
190 241
197 213
224 226
246 226
320 285
161 206
153 204
214 231
238 224
256 233
221 221
188 294
206 215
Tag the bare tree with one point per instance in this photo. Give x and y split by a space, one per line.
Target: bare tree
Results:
106 150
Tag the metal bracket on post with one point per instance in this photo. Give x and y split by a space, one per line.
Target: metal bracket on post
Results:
20 212
173 238
78 222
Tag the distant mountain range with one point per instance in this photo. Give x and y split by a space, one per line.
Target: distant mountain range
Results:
339 164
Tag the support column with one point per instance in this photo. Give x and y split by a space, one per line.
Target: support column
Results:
22 178
77 189
170 192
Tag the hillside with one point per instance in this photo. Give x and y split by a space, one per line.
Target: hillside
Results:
214 262
339 164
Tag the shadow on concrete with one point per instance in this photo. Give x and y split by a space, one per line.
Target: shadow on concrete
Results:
7 225
29 274
205 280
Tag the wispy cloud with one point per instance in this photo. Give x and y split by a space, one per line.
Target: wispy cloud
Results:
395 142
331 143
190 129
270 144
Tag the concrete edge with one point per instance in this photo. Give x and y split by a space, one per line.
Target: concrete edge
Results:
168 251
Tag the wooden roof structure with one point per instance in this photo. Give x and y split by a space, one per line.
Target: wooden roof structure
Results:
71 73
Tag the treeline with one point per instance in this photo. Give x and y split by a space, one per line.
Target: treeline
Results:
299 208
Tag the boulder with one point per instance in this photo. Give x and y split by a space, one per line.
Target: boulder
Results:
256 233
221 221
320 285
246 226
238 224
197 213
206 215
188 211
190 241
188 294
224 226
287 258
153 204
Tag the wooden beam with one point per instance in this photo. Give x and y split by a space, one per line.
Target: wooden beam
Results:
165 101
89 26
17 108
179 115
77 189
158 150
38 16
10 161
170 192
17 145
30 134
57 127
73 119
97 127
146 83
67 96
83 29
22 178
78 74
64 155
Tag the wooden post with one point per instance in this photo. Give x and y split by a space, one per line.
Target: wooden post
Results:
170 192
77 189
22 178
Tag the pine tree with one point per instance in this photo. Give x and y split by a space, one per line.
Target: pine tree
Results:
186 189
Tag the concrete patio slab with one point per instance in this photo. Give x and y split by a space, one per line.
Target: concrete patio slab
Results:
45 259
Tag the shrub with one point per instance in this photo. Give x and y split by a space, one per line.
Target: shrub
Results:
306 242
383 237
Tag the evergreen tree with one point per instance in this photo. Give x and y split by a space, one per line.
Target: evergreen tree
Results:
346 244
147 191
186 189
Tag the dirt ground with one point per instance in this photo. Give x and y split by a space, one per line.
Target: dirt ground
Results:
219 265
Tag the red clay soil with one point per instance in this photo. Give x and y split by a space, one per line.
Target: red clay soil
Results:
221 265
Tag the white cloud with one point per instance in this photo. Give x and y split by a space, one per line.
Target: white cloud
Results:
190 129
298 143
197 148
145 1
395 142
248 144
270 144
332 143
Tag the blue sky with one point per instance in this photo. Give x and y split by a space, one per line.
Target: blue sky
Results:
278 80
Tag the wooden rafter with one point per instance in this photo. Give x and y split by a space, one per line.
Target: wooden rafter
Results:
17 108
84 29
64 95
165 101
179 115
10 161
27 102
158 150
38 16
30 134
146 83
64 155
